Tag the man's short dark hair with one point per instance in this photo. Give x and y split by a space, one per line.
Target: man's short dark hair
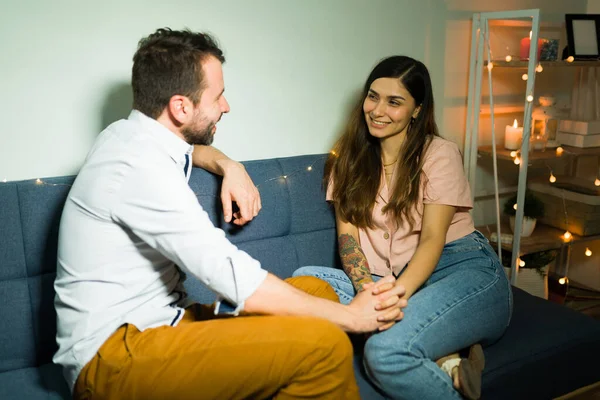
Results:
168 63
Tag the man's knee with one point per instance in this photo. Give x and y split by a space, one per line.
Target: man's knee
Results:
333 340
314 286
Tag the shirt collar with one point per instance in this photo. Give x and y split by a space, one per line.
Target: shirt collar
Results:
176 147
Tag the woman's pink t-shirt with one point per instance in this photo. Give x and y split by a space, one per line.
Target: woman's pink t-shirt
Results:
389 246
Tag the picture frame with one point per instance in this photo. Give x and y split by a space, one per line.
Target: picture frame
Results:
583 36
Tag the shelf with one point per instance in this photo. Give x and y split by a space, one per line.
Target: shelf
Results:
503 109
503 154
543 238
579 151
537 155
502 63
518 23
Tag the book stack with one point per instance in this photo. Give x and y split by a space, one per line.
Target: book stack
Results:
579 133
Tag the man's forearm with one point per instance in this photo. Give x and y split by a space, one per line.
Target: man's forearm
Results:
354 262
276 297
210 159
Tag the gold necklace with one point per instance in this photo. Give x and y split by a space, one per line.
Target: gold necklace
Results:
392 163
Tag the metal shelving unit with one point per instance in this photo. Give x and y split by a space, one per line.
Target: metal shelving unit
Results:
478 61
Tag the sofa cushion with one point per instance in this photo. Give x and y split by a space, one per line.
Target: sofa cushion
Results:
45 382
308 210
12 255
274 218
27 269
551 348
17 343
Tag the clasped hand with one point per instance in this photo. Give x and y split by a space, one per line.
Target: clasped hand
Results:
379 305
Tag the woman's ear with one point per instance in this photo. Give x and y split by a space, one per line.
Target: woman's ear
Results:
416 112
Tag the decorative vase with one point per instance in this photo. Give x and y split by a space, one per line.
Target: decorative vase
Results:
526 228
532 281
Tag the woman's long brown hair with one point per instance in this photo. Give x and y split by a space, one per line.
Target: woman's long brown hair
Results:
355 165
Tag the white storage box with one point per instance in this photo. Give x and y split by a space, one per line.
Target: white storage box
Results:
579 127
571 139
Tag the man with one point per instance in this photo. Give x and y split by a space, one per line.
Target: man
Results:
125 326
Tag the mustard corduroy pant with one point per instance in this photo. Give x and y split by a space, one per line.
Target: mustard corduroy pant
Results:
209 357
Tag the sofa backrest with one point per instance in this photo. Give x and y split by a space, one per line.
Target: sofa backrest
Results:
296 227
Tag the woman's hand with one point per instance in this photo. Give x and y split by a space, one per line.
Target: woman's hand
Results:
378 306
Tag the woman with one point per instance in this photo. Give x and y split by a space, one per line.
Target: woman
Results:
402 207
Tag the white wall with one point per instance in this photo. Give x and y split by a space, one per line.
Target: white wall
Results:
593 7
292 69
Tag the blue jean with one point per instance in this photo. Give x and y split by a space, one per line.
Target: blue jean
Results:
466 300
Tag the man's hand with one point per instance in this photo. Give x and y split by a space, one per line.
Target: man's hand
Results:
237 186
378 306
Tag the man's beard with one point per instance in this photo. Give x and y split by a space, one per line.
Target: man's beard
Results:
197 133
203 136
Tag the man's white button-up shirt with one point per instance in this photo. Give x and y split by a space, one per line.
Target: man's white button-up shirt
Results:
129 219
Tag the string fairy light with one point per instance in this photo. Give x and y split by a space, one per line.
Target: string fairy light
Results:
539 68
513 154
559 151
588 252
570 59
508 58
524 77
530 98
285 177
517 161
309 168
563 280
597 182
552 178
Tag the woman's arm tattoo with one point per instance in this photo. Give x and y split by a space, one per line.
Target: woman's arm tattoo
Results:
354 261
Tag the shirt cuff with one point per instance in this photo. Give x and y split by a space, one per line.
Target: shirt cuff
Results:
225 307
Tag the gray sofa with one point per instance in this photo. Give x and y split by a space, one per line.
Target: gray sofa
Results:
547 351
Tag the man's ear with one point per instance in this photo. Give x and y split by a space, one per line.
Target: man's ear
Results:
180 109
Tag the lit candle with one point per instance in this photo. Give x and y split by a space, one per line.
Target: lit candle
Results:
513 136
525 44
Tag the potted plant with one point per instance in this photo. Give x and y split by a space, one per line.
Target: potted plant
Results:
534 209
533 275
